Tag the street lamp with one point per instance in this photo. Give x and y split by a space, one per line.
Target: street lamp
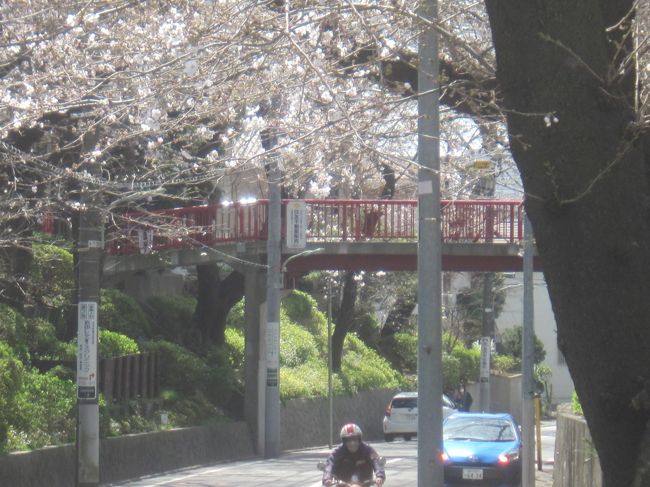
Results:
300 254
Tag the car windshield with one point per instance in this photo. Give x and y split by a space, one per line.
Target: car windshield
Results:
405 402
478 429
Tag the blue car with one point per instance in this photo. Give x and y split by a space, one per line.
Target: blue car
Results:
481 449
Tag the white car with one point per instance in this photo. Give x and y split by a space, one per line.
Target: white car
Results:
401 416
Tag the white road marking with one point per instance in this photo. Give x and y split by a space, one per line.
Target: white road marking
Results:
202 472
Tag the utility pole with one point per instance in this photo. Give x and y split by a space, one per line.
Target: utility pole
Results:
430 467
330 399
90 245
528 349
273 289
485 188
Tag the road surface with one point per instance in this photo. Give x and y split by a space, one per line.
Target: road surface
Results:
298 469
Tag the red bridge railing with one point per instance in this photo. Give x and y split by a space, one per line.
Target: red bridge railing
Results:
327 221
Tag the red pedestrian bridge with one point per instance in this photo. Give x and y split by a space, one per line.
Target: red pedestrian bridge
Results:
477 235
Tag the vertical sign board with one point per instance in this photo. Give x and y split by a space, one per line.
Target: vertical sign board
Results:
486 343
272 353
87 350
296 234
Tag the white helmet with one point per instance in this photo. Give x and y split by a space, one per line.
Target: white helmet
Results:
350 430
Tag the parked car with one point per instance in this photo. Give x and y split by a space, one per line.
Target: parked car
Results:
481 449
401 416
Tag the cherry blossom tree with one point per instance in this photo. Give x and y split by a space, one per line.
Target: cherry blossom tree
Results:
175 95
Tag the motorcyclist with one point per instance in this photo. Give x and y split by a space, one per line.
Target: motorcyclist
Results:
351 457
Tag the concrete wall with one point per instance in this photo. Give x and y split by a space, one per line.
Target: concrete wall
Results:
576 460
505 395
304 424
130 456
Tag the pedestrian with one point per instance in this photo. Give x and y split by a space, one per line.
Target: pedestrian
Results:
465 399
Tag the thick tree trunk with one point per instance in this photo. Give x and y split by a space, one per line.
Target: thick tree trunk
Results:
216 298
585 177
344 319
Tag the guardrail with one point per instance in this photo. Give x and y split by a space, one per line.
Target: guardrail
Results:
327 221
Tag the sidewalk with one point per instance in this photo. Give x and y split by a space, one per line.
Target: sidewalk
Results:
544 478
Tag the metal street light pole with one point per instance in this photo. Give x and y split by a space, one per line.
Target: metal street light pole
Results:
430 468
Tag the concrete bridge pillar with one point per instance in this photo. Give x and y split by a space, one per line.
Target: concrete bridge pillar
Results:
254 354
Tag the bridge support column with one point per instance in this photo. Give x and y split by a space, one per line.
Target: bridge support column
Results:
254 355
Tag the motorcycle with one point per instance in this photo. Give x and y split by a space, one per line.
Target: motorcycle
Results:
354 481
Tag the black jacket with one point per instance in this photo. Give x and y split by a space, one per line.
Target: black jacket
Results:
342 464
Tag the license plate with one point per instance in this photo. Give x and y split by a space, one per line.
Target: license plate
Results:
473 474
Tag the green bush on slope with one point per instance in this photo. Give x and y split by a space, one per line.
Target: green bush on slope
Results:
51 284
121 313
11 379
171 316
45 412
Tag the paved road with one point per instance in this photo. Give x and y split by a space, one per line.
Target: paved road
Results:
298 469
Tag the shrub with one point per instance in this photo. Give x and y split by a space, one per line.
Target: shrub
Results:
469 359
194 411
363 369
45 412
301 308
41 339
11 379
221 379
235 343
171 316
451 372
235 318
306 380
112 344
13 331
511 340
405 350
181 370
505 363
120 312
51 283
297 345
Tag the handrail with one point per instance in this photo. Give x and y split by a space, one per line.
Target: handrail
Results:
484 221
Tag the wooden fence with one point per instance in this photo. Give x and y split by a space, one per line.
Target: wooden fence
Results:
123 378
130 377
